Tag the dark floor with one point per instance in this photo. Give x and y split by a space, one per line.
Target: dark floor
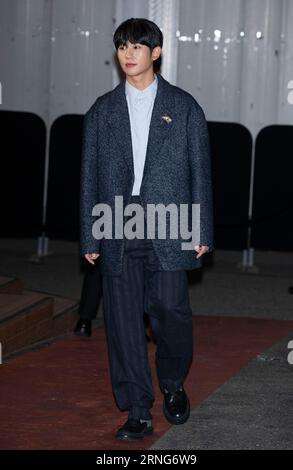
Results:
250 407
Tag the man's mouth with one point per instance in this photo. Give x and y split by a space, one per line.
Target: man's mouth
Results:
129 64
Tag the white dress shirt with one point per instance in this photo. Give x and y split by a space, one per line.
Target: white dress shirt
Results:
140 105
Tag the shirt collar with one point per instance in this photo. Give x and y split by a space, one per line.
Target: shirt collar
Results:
134 92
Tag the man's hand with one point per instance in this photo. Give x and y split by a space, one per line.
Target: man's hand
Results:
201 250
91 257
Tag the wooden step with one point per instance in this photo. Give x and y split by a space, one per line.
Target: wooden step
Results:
33 319
24 319
10 285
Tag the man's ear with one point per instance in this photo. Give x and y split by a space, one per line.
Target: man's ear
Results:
156 52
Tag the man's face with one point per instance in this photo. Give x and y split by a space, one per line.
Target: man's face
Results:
136 59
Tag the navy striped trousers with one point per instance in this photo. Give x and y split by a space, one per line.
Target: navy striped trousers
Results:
142 287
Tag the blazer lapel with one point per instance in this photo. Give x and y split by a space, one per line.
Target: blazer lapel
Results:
119 122
160 125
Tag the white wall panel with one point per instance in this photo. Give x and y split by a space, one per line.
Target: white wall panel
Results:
81 54
56 56
236 58
25 54
210 55
165 13
260 63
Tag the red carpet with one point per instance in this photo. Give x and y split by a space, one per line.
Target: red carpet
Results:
60 397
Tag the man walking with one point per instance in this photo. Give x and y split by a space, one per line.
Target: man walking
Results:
147 141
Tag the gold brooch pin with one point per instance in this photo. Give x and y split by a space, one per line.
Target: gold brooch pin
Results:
167 118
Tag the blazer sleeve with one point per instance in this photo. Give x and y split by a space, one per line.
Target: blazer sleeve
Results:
201 177
89 182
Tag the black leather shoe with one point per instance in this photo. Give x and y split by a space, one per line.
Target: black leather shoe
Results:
134 429
83 327
176 406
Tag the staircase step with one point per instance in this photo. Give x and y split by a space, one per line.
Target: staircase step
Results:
24 319
10 285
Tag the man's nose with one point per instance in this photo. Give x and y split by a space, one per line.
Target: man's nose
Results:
128 53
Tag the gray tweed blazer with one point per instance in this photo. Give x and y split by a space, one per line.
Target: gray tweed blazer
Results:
177 170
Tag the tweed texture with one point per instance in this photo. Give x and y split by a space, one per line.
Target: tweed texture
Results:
177 170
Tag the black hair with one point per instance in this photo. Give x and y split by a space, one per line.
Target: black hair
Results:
138 31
